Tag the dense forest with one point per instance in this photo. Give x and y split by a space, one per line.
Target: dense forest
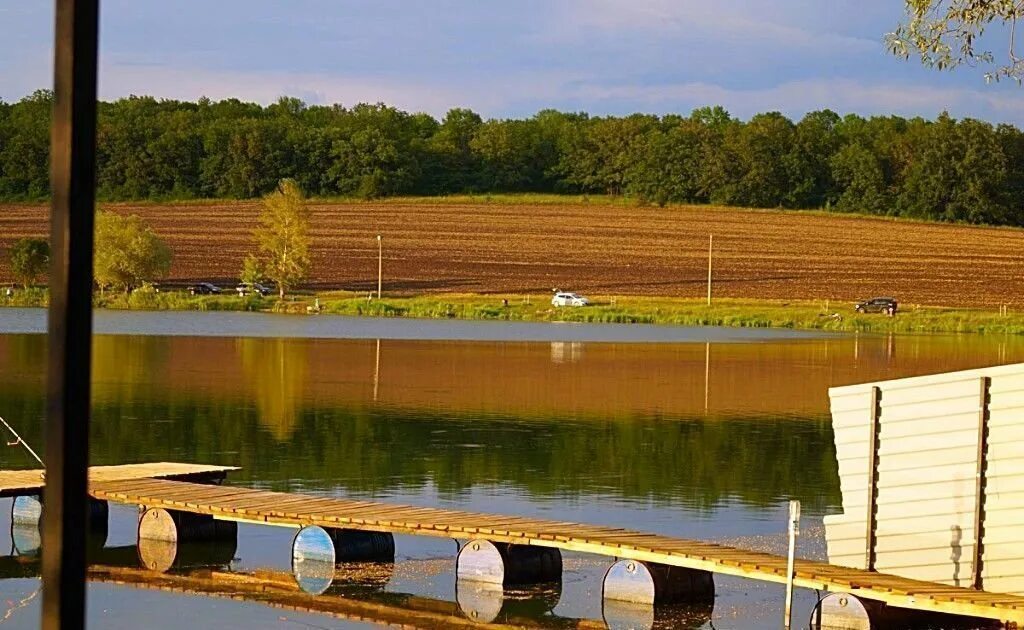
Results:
952 170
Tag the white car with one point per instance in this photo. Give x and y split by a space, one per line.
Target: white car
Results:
569 299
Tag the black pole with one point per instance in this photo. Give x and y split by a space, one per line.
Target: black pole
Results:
72 179
872 520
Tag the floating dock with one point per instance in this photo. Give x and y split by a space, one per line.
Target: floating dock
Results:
275 508
176 511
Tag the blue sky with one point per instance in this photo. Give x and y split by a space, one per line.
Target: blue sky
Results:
511 58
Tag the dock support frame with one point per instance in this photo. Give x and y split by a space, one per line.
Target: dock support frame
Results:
176 526
505 564
845 611
335 544
654 584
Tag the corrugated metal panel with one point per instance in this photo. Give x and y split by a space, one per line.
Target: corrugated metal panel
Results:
926 491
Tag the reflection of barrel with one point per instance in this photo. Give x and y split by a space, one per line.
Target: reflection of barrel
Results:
28 565
489 603
164 555
620 615
26 538
313 576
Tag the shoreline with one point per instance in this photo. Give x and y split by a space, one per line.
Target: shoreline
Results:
809 315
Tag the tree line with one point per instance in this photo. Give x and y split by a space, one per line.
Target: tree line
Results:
148 149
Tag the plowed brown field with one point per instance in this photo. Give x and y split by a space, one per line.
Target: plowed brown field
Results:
600 249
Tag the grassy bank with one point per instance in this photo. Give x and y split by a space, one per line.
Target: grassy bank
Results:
808 315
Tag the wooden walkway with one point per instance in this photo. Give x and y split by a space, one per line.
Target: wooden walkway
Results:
21 482
258 506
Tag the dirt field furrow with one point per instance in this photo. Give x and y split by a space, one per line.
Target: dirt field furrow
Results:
610 250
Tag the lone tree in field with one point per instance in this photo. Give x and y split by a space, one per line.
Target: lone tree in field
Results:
945 35
29 258
128 252
283 237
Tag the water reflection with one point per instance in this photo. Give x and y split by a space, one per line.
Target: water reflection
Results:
356 594
703 440
488 603
626 616
165 555
680 423
282 377
566 352
275 377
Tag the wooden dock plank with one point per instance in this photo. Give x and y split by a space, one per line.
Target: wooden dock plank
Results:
21 482
292 509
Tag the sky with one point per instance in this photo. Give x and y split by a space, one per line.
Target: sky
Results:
511 58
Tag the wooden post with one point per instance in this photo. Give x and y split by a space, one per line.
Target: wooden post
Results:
73 182
711 241
872 507
980 484
794 531
380 265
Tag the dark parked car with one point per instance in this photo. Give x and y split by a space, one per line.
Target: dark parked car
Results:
203 288
245 289
885 305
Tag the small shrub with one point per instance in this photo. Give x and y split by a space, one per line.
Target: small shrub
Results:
144 298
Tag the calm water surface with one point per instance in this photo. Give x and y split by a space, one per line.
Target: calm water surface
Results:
708 438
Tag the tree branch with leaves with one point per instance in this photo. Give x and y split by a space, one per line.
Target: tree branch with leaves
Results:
947 34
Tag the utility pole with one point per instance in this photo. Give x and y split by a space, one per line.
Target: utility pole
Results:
380 264
711 241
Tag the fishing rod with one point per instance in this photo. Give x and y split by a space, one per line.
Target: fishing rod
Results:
18 440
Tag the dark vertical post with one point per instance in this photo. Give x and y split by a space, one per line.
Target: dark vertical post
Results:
980 485
72 179
872 520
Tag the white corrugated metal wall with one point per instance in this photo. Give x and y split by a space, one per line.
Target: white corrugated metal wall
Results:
927 475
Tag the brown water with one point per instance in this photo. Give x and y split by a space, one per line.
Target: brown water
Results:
705 440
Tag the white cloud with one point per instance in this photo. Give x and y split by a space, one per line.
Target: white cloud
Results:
752 23
433 96
501 95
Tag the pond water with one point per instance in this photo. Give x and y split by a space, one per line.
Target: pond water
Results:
707 438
